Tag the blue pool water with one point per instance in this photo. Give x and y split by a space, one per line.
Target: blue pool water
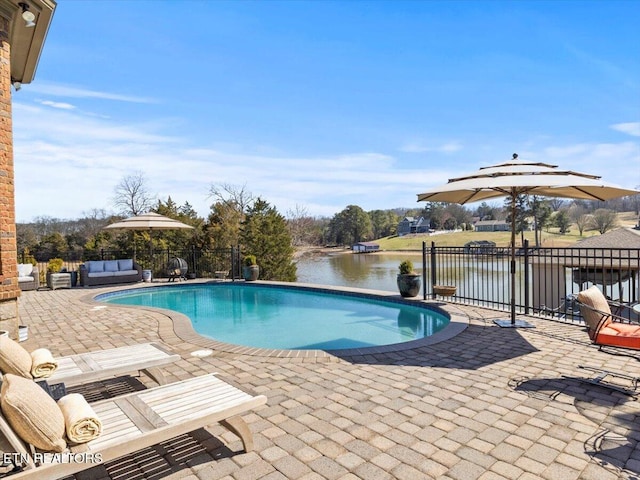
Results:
288 318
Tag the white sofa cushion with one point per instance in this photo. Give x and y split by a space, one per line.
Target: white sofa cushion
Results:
25 270
101 274
128 272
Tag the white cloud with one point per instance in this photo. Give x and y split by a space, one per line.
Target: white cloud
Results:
630 128
420 147
60 105
79 92
617 163
67 164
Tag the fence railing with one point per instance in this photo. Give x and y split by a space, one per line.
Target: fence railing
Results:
547 279
204 263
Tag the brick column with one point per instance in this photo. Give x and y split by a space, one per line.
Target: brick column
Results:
9 289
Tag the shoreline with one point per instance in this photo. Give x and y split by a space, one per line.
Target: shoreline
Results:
310 251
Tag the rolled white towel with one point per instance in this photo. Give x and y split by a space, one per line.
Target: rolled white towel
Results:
81 422
42 363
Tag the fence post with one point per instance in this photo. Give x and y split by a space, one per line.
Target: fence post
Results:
193 260
525 244
433 268
234 253
424 270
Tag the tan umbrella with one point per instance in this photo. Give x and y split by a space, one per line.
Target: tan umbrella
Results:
148 222
518 177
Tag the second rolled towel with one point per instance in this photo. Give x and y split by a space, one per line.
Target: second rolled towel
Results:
81 422
42 363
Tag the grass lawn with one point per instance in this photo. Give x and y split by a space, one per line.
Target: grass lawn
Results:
549 239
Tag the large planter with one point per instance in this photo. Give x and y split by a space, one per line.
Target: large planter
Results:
250 273
444 290
409 284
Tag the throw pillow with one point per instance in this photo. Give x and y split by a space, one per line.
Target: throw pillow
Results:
111 266
126 264
14 359
34 416
25 269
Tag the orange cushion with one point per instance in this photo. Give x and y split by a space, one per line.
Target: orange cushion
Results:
620 335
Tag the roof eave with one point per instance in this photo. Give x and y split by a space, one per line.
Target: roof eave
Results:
27 42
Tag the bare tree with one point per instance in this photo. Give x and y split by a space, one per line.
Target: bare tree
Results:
93 222
228 211
604 220
131 195
557 203
300 225
232 195
580 217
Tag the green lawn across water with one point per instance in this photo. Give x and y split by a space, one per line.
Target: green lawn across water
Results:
458 239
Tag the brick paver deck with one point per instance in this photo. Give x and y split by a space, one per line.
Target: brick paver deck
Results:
490 403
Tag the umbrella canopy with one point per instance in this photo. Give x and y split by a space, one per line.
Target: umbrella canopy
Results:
518 177
148 222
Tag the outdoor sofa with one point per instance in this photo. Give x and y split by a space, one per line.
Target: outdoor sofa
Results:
109 272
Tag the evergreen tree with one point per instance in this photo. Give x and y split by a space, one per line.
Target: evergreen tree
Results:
383 223
562 221
264 233
350 226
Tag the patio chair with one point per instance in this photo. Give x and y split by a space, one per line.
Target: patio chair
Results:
142 419
99 364
604 327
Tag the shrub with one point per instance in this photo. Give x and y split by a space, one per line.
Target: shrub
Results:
406 267
250 260
55 265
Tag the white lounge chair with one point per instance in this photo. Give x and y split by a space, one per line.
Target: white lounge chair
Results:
138 420
102 364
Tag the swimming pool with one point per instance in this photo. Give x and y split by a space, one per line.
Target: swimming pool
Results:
288 318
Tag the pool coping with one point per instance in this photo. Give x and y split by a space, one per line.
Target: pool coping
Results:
183 328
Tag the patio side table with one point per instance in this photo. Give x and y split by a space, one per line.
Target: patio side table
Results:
58 280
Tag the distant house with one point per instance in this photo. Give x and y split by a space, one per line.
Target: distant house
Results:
479 247
365 247
492 226
413 225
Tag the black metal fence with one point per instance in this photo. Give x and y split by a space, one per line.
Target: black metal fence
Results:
202 263
547 279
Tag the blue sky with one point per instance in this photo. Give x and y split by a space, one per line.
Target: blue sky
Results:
317 105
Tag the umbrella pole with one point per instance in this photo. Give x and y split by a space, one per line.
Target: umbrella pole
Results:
512 267
512 322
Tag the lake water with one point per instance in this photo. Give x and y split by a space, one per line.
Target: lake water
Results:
474 280
373 271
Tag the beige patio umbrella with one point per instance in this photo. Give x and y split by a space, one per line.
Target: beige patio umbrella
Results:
518 177
148 222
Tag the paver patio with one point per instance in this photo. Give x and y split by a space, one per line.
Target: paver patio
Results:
490 403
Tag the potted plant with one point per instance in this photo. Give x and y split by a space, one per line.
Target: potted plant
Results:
250 269
409 281
53 266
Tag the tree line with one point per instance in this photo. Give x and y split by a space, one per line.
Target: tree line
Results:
238 218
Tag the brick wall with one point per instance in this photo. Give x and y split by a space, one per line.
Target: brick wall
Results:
9 290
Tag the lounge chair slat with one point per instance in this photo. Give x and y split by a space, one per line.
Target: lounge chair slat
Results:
94 366
175 408
141 414
210 389
175 387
